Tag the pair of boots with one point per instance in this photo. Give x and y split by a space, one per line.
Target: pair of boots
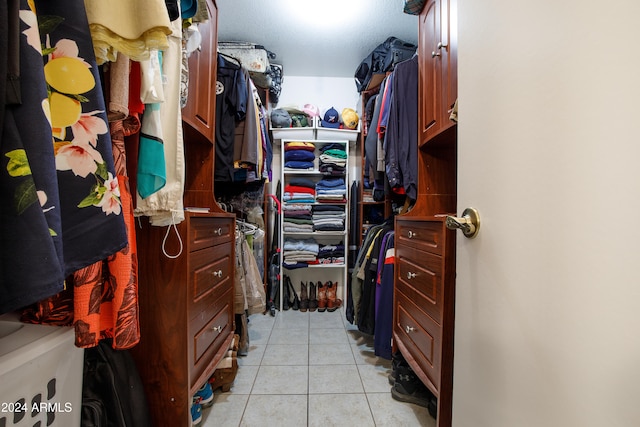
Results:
407 387
308 299
327 297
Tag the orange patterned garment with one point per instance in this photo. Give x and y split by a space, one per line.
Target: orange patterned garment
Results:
106 293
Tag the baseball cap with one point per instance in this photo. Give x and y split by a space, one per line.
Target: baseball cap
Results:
311 110
280 118
331 119
350 118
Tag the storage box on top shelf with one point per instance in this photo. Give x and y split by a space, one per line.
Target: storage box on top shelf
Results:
41 374
324 133
295 133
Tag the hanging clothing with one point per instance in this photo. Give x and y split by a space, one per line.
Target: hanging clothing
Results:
68 190
165 206
231 107
401 139
384 299
132 28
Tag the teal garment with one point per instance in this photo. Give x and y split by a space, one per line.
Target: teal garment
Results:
152 171
340 154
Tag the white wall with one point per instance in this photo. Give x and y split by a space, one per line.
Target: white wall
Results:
324 92
548 294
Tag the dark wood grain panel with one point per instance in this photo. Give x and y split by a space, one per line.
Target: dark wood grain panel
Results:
207 231
420 279
209 266
209 340
426 236
422 336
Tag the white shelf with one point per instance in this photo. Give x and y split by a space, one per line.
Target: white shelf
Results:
321 272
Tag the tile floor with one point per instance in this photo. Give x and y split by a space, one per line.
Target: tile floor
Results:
311 369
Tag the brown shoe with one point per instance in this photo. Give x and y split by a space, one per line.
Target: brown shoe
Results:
304 297
223 378
313 302
322 296
333 303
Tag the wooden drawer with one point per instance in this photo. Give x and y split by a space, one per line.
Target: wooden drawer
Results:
209 304
208 268
424 235
420 279
207 231
422 337
207 341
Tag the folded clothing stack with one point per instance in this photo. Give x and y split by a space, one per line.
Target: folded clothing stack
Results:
331 254
331 190
299 155
296 251
333 160
298 194
328 218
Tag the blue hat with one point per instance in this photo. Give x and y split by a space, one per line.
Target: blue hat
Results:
331 119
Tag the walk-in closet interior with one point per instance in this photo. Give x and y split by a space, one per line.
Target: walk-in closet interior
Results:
228 213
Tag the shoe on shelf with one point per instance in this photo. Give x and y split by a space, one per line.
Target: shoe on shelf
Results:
295 303
333 303
304 297
204 395
196 413
322 296
313 302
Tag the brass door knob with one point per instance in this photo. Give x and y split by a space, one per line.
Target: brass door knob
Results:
469 222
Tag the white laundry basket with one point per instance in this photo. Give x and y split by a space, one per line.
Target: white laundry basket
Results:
40 375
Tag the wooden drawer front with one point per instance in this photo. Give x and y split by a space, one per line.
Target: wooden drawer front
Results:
209 267
208 231
424 235
420 279
209 304
208 339
422 337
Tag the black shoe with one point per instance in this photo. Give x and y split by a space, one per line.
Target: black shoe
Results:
397 359
295 304
409 388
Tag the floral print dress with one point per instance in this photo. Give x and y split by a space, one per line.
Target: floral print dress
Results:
60 199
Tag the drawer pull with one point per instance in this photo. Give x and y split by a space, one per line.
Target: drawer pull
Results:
410 275
412 234
218 273
409 329
217 328
218 231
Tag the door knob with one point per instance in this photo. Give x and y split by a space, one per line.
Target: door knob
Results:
469 222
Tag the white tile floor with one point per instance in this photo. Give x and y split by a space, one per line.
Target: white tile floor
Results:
311 369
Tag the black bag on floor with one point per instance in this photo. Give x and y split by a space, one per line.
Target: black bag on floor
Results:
112 391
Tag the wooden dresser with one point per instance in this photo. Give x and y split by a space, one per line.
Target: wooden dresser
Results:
186 310
424 296
424 300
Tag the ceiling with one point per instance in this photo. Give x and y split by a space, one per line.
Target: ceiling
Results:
327 38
